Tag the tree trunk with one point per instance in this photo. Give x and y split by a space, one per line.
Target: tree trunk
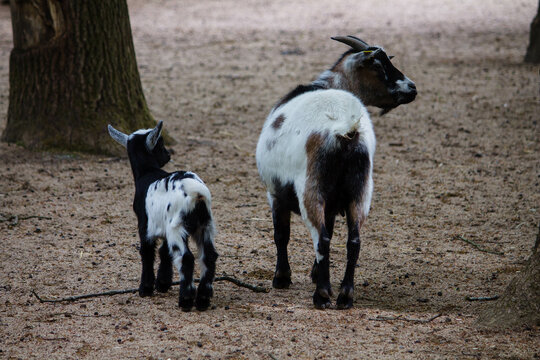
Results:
520 303
73 71
533 51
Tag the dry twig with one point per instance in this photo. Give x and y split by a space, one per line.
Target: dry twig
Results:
478 247
235 281
392 318
481 298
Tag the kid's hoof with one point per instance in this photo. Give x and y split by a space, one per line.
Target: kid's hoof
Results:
281 283
202 303
204 294
163 286
282 280
146 291
185 304
187 297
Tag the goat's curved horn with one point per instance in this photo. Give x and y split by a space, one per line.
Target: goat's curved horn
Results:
118 136
352 41
153 136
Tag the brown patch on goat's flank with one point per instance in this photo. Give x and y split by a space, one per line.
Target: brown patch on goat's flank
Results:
276 124
313 201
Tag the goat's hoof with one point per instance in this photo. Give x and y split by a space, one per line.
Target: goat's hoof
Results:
282 279
146 291
202 303
185 304
281 282
204 294
187 297
344 302
163 286
321 299
345 298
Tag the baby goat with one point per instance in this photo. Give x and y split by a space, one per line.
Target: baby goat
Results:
172 206
315 156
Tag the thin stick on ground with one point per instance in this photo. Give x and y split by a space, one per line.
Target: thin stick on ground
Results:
393 318
258 289
478 247
481 298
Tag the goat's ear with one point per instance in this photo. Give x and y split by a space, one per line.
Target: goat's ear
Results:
153 136
118 136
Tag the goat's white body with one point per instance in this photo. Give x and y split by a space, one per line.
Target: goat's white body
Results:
167 201
281 153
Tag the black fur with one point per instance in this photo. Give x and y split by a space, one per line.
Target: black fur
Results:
299 90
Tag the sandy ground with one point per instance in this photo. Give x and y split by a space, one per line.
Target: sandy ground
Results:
462 160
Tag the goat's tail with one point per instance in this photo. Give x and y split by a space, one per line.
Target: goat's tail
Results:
196 191
199 218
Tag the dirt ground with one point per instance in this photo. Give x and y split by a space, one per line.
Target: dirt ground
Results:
461 162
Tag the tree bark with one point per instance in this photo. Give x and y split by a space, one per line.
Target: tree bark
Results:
533 51
520 303
73 71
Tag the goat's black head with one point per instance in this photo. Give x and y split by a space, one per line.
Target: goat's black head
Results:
371 75
145 147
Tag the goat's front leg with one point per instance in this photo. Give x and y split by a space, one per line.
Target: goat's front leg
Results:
147 251
164 274
355 219
184 261
207 258
281 217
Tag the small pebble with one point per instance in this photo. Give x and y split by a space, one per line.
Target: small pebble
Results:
199 344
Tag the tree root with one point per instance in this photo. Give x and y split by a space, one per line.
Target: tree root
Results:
258 289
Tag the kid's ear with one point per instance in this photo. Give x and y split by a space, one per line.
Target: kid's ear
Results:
153 136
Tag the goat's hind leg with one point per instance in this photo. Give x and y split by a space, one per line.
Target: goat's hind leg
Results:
281 216
329 222
204 238
184 261
355 219
314 214
147 251
164 274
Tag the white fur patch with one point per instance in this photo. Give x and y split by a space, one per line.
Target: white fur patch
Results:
403 85
166 203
